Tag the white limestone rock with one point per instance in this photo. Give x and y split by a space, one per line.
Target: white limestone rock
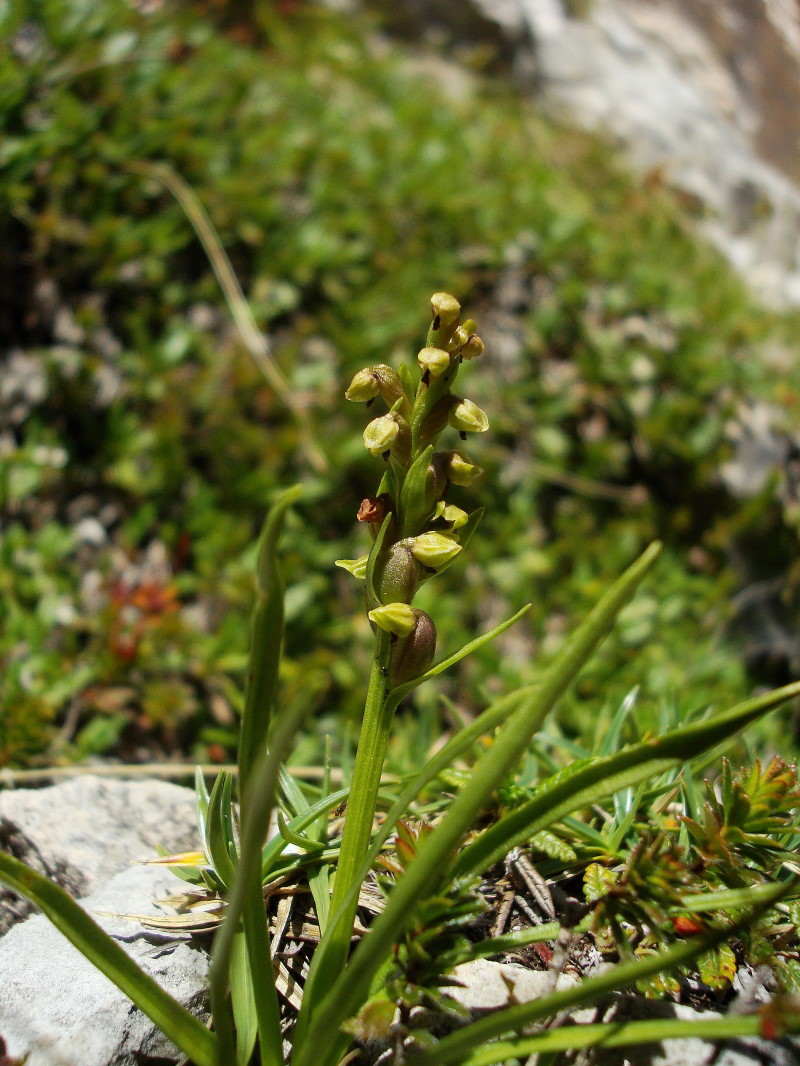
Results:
58 1010
83 831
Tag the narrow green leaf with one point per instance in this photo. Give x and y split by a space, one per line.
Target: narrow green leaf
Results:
243 1002
220 840
294 799
721 899
319 876
274 848
593 779
611 741
621 1034
406 380
299 841
186 1031
511 942
201 792
266 640
401 691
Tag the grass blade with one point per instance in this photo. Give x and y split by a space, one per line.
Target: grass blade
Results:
593 779
274 848
626 1034
243 1002
220 840
265 643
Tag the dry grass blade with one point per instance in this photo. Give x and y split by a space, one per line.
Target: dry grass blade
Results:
252 337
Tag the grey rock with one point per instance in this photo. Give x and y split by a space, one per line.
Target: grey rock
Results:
488 986
83 831
57 1009
655 77
761 446
704 96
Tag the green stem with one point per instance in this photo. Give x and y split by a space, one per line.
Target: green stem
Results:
363 799
428 394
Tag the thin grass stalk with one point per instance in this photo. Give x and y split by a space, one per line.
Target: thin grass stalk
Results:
608 1035
254 340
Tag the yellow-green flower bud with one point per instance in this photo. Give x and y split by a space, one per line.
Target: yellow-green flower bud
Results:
473 348
433 549
446 309
356 567
463 333
460 468
467 417
397 618
413 654
371 381
451 514
363 387
434 360
380 434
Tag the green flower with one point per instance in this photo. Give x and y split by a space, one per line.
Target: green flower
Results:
467 417
356 567
380 434
460 469
446 308
363 387
397 618
373 380
451 514
472 349
434 549
434 361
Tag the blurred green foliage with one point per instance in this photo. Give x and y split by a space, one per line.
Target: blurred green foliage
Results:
139 445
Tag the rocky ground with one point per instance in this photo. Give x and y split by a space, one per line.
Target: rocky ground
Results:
88 834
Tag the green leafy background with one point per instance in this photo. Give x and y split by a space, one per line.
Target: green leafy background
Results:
348 178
